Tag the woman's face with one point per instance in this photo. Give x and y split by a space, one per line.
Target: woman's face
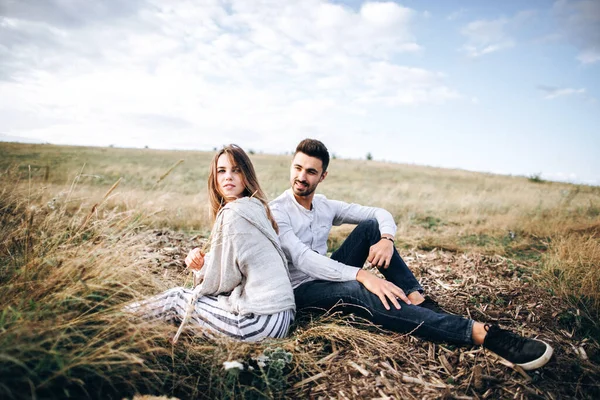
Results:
229 178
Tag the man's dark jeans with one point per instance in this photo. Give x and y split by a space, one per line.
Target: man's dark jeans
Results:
353 297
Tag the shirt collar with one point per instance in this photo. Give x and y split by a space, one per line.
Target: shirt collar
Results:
290 193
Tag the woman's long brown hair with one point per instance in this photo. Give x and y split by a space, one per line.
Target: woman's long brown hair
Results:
239 158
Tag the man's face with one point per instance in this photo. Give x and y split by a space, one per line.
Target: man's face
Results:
306 173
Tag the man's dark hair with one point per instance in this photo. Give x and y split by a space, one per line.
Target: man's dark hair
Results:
314 148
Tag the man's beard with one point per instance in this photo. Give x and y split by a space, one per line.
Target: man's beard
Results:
306 191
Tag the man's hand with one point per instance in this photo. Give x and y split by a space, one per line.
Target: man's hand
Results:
383 289
195 259
380 254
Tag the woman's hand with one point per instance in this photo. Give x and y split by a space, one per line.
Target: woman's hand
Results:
195 259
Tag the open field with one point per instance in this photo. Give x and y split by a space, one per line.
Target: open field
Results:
74 247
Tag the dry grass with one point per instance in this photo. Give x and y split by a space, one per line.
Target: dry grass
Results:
433 207
571 267
73 251
575 258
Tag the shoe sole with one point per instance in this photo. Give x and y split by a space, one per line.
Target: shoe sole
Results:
540 361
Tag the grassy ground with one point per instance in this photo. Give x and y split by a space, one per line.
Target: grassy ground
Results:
84 230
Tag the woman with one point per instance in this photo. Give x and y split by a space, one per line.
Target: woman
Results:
245 291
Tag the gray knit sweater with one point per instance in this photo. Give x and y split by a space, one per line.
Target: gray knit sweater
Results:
246 269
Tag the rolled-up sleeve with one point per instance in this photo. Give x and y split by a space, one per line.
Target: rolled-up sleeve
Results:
350 213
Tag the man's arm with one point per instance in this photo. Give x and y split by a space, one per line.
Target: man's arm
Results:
322 267
305 259
350 213
380 254
382 288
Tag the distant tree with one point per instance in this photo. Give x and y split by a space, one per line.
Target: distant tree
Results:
251 152
537 178
369 156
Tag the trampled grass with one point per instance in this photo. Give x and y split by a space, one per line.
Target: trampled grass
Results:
73 252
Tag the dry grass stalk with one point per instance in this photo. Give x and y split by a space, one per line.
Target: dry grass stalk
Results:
95 206
163 176
310 379
360 369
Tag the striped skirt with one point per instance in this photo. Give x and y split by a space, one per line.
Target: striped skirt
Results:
209 317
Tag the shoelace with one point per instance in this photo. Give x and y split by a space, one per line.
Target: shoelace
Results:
510 339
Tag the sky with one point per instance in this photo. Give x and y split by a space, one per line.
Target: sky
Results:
506 87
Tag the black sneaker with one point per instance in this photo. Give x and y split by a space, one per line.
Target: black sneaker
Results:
527 353
432 305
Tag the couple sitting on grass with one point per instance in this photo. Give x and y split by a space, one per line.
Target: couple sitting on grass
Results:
266 260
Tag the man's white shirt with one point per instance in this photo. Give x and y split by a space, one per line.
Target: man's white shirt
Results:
303 234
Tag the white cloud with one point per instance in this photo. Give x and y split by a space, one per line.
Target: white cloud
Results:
394 85
490 36
385 15
580 23
486 36
589 56
551 92
456 14
208 72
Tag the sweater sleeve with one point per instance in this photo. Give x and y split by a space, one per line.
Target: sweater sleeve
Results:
304 259
221 272
350 213
199 275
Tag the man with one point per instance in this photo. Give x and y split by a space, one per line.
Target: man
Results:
307 219
319 282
